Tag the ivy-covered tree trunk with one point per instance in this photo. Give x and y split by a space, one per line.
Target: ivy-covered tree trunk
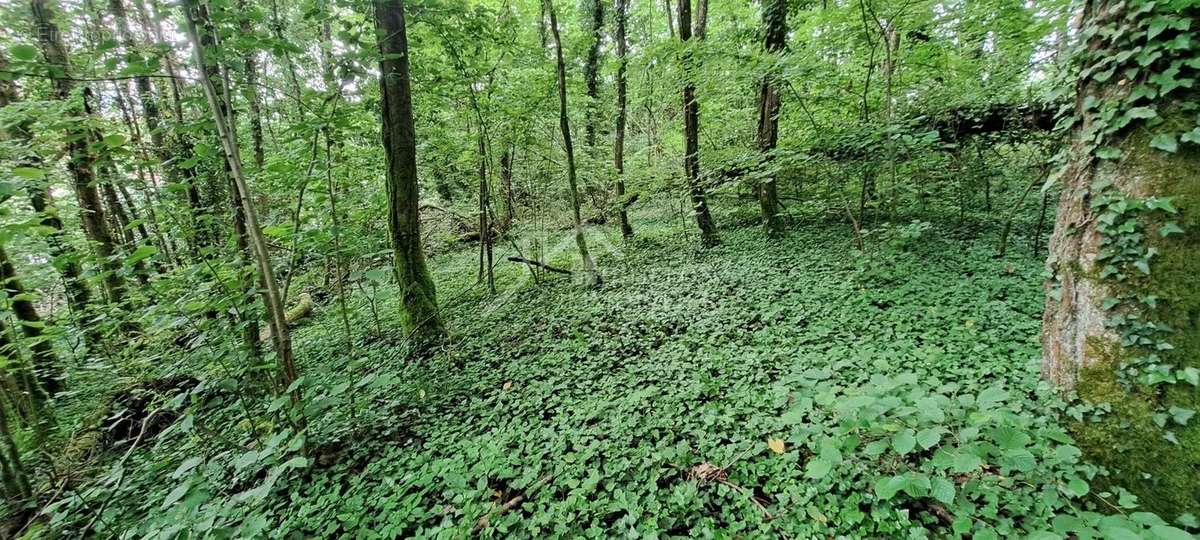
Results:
775 27
691 132
622 112
591 276
1121 325
591 70
82 161
420 319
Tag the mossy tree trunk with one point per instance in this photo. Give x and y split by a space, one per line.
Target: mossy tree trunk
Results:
622 112
420 319
1121 324
82 162
775 30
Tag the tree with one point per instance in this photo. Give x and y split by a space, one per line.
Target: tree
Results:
619 140
592 68
691 128
421 319
78 148
1119 326
272 300
775 34
46 368
591 275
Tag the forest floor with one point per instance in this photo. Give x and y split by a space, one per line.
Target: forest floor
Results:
696 394
596 408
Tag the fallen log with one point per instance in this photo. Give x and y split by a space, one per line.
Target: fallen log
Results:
303 308
539 265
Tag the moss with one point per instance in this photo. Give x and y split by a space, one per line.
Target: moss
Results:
1165 476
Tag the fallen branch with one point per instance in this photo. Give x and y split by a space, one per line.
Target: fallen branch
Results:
539 265
512 503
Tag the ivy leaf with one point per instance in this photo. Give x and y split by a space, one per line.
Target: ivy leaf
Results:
1181 415
1108 152
1169 228
1165 142
1157 25
1192 136
1142 113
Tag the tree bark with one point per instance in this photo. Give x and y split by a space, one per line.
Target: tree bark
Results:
591 69
46 368
421 320
82 162
591 275
775 30
622 113
1120 324
691 133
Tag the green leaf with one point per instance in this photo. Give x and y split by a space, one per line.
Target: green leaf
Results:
140 254
1108 152
1169 228
29 172
114 140
1142 113
1076 487
887 487
817 469
942 490
1165 142
24 53
904 442
1166 532
929 437
176 494
966 462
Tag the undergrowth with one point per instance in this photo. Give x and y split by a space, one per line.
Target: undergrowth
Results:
792 389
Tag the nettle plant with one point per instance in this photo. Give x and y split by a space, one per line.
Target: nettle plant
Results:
948 460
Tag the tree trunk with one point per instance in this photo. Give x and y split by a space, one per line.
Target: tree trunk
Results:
591 276
276 315
775 28
622 112
591 69
78 295
670 19
691 132
421 320
82 162
1120 325
506 178
250 64
46 368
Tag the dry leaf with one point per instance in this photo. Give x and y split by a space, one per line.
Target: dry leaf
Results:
776 445
508 385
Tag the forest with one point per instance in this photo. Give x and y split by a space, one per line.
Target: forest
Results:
799 269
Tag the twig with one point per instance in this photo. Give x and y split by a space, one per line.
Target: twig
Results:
512 503
539 265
